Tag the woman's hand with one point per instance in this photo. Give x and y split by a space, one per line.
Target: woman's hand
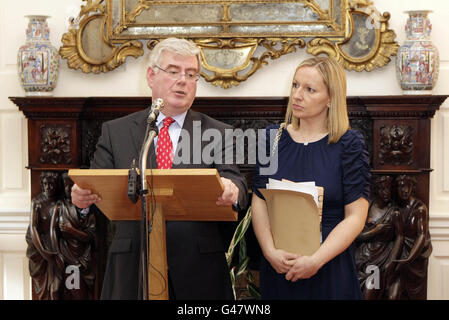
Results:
302 267
280 260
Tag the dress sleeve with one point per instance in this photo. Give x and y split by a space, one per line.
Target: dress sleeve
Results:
356 168
265 141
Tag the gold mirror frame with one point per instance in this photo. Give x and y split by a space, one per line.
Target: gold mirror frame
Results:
233 46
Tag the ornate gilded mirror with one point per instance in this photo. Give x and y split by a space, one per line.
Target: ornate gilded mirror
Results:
236 37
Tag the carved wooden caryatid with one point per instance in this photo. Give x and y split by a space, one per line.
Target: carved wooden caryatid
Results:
46 267
395 243
412 265
73 239
60 244
378 243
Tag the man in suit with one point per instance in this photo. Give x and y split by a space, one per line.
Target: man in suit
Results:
197 266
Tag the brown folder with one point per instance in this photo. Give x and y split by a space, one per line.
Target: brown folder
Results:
294 220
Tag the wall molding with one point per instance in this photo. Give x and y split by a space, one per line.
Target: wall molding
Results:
439 227
445 144
14 222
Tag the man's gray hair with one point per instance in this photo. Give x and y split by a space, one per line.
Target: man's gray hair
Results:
179 46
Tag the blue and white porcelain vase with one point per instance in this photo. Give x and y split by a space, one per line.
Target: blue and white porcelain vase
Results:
38 60
418 60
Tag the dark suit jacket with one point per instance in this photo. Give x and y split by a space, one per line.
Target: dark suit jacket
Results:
195 250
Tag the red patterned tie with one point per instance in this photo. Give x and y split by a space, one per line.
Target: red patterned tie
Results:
165 146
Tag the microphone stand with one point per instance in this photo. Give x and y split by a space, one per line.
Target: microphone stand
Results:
138 188
151 132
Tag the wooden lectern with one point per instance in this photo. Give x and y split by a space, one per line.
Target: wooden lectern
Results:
180 194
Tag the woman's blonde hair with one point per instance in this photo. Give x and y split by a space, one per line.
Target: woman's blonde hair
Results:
334 78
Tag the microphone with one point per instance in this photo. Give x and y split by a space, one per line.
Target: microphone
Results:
156 106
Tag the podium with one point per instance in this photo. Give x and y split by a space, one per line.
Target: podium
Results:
179 194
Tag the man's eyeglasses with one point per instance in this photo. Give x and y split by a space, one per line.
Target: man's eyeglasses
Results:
190 76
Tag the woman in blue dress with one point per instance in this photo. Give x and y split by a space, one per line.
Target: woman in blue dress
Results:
315 143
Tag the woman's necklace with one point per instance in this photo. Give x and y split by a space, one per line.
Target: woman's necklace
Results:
299 137
313 138
306 140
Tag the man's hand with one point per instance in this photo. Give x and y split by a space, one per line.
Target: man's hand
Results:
230 194
83 198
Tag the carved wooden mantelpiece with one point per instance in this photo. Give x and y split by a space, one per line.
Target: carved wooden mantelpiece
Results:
63 131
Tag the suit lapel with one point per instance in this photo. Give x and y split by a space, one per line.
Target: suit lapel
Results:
138 132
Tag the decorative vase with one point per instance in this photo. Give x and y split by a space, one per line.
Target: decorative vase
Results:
38 60
418 61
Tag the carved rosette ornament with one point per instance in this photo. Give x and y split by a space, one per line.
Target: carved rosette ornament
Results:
236 37
396 145
55 146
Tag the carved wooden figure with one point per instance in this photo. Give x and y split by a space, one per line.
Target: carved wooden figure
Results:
46 267
379 244
395 241
73 238
417 247
60 244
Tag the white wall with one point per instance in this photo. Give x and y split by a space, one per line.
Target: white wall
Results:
128 80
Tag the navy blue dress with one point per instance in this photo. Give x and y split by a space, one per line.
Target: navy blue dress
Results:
343 170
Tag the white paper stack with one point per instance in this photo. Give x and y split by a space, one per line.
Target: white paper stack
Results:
305 187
